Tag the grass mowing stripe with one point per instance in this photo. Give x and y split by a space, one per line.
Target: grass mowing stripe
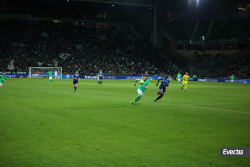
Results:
217 109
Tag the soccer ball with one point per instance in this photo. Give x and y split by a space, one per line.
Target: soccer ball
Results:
141 82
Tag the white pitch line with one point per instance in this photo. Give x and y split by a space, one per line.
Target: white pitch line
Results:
217 109
213 104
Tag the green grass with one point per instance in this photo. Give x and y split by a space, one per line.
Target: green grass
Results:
49 125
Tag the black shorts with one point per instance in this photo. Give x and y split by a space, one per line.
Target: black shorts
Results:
100 77
163 89
75 82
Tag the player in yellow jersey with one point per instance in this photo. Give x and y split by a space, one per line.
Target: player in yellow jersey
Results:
185 81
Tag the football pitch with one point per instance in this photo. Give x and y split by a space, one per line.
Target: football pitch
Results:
50 125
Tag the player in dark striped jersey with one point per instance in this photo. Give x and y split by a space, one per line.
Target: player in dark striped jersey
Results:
101 76
75 78
162 88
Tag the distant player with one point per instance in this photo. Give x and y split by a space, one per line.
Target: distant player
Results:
179 78
232 79
101 76
185 81
50 77
141 89
3 78
98 82
56 74
75 78
146 73
162 88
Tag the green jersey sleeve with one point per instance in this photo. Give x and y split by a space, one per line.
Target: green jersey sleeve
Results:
2 79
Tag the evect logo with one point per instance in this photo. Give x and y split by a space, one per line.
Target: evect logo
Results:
232 152
235 151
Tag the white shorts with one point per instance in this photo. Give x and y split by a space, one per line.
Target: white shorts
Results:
179 79
231 80
50 78
55 76
140 92
1 84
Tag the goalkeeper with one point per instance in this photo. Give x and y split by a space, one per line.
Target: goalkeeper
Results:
143 85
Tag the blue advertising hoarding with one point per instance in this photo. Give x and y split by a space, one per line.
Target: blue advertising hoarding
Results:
132 78
221 80
16 75
110 77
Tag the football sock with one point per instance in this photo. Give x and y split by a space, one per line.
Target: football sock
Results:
159 97
178 82
139 96
75 88
185 87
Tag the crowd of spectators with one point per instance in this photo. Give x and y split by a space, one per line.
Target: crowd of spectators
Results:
76 47
239 68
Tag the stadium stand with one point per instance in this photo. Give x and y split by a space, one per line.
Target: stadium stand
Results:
110 49
240 69
204 56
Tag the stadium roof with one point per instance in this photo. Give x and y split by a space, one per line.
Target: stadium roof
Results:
169 4
205 4
144 3
179 4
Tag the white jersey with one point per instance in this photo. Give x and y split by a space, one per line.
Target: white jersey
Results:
55 73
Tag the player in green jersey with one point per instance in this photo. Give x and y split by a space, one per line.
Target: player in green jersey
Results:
3 78
141 89
179 78
232 79
50 77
